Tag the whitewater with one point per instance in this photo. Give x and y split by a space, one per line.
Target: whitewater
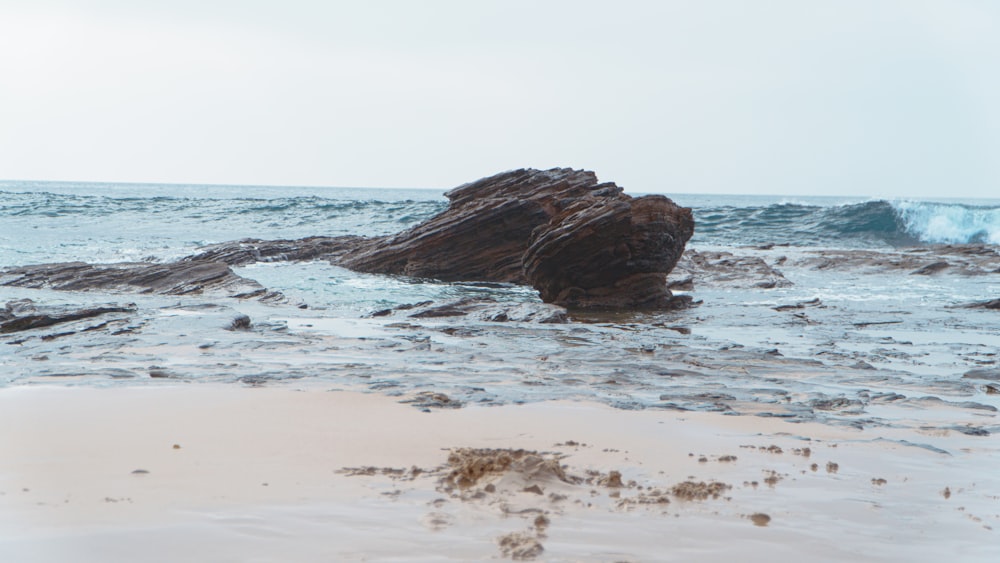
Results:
127 222
751 265
862 332
751 258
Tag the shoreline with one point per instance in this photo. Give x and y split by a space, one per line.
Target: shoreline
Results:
279 473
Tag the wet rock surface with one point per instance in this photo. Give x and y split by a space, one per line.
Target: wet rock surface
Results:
725 269
579 242
176 278
990 374
448 354
966 260
993 304
250 251
609 251
488 310
776 334
22 315
762 267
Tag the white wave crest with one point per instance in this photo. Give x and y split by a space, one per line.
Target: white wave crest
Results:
949 223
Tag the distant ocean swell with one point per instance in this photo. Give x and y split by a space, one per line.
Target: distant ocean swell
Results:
285 217
66 205
37 227
133 223
871 223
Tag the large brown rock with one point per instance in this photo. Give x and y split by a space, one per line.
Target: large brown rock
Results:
612 251
483 234
580 242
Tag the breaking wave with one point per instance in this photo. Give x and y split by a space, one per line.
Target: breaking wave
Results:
950 223
870 223
205 214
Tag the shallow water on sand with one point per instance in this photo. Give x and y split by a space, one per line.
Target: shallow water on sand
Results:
854 344
831 327
860 359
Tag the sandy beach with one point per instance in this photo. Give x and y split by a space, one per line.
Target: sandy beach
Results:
202 472
455 281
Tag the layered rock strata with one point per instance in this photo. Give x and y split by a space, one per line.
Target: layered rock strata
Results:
175 278
581 243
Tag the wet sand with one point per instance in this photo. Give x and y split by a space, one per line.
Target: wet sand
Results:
223 473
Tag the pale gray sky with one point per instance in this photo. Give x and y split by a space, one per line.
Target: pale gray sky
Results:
883 98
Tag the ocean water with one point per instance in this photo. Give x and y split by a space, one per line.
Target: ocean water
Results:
849 313
856 344
92 222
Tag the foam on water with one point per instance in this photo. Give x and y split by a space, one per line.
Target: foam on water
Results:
950 223
42 223
868 224
877 353
65 221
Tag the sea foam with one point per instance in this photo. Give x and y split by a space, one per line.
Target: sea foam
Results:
949 223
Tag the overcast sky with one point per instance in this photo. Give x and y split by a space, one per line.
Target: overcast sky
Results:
887 98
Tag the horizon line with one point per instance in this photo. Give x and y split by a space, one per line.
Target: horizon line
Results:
419 188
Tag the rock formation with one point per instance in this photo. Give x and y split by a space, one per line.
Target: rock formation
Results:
953 259
176 278
21 314
480 309
725 269
579 242
249 251
993 304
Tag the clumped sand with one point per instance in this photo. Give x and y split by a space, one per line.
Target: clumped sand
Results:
495 479
690 490
468 466
307 475
488 476
520 546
